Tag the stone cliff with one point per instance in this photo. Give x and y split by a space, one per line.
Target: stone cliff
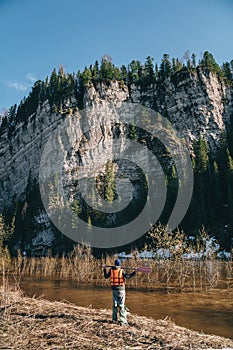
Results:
196 103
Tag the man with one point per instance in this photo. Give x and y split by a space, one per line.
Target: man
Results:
117 278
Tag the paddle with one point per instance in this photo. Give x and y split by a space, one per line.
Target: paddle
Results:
143 269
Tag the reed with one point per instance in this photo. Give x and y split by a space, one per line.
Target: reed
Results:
173 271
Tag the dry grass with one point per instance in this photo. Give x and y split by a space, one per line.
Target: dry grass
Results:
81 266
29 323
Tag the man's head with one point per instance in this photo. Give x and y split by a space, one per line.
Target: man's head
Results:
117 262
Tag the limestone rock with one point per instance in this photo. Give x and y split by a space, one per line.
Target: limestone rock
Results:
196 103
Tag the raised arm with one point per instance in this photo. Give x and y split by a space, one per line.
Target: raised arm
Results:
107 274
129 275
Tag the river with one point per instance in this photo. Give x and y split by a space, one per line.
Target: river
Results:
210 312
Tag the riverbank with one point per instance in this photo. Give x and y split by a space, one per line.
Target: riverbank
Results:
31 323
190 310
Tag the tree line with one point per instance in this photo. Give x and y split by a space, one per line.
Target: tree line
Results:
60 85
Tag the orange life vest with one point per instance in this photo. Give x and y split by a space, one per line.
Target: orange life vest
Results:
117 278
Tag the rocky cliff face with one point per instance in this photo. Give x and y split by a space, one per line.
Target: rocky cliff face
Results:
196 103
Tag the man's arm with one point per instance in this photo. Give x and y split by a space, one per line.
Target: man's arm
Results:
129 275
107 274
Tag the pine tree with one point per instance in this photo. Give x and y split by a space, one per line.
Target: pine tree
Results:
95 72
165 67
116 73
149 76
156 71
226 68
201 181
201 155
10 118
215 195
193 61
124 73
231 65
53 82
226 179
12 112
106 71
230 137
176 65
209 62
134 71
109 182
172 186
77 209
86 77
133 132
173 66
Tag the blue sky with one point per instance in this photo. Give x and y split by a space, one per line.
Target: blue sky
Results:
37 36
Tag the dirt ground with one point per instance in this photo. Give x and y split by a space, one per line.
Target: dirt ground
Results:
30 323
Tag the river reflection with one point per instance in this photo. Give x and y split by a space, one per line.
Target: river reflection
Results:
210 312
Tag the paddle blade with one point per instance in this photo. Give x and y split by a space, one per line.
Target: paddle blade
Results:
144 269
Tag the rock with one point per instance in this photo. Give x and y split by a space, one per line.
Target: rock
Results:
196 103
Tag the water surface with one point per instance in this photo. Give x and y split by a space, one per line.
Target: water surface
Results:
210 312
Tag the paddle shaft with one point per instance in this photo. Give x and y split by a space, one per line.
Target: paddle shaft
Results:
145 269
